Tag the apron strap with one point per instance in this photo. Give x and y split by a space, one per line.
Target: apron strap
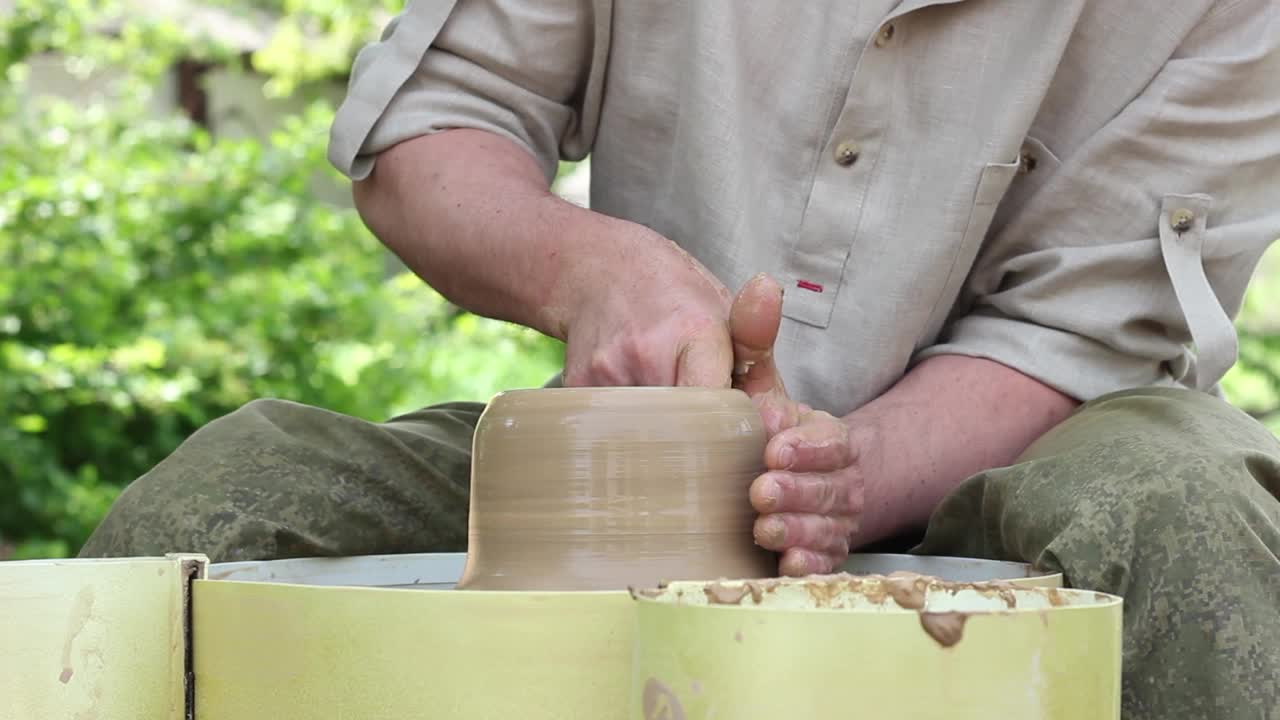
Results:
1183 219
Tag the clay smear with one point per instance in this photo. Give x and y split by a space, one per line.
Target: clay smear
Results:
907 589
942 607
946 628
718 594
659 703
81 612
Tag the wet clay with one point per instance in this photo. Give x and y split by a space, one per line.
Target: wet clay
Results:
81 612
659 703
907 590
718 594
607 488
946 628
651 593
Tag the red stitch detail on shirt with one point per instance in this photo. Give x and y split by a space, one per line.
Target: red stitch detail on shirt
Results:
806 285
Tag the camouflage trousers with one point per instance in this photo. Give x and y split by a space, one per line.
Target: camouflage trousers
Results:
1167 498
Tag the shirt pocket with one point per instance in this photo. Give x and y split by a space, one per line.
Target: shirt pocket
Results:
993 184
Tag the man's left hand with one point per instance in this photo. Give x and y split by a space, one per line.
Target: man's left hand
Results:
811 494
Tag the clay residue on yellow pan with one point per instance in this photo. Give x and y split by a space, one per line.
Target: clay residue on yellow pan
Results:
946 628
943 607
907 589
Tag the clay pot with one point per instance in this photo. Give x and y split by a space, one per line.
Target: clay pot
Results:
607 488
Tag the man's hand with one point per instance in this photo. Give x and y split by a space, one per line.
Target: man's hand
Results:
471 214
644 312
811 496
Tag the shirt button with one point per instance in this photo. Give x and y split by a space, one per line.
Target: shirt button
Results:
847 153
1027 161
885 36
1181 220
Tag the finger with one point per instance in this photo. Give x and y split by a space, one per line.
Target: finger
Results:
798 562
823 533
819 443
591 369
816 493
754 319
575 368
705 361
777 411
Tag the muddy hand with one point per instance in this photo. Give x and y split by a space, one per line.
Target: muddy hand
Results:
810 496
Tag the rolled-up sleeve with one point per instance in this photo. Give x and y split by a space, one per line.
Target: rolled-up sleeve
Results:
1128 263
527 70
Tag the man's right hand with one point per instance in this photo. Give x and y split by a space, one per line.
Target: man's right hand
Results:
471 214
644 312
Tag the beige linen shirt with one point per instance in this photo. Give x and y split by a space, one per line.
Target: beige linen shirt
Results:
1077 189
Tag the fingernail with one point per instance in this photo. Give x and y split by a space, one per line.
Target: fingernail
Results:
786 456
773 533
770 493
797 564
802 564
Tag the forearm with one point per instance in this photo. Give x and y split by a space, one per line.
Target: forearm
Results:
950 417
470 213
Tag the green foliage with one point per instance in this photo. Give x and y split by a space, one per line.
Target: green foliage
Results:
1254 383
317 38
92 34
153 278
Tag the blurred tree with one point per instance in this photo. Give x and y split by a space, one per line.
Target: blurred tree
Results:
153 278
317 39
1254 383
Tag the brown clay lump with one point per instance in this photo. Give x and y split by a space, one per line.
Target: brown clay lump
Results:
718 594
907 590
946 628
651 593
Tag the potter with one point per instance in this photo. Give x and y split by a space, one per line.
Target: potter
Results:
1012 238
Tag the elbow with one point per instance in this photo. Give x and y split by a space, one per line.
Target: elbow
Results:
379 196
365 196
374 200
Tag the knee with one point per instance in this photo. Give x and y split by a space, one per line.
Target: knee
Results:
1176 418
1167 512
1162 444
1162 486
251 423
1142 468
195 495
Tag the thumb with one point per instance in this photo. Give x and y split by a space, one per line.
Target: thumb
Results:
754 319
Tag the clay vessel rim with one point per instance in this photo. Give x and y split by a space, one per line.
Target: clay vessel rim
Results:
620 400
